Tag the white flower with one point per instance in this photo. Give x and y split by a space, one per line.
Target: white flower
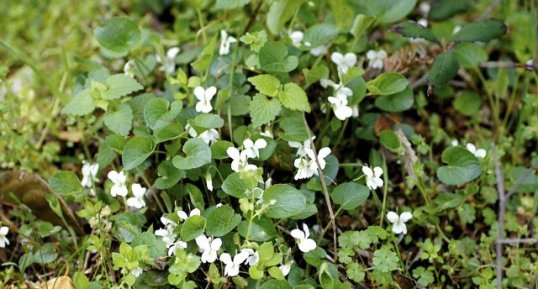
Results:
373 177
89 174
225 42
169 64
167 222
376 58
423 22
209 136
301 147
398 222
232 266
119 188
209 181
239 160
252 149
457 29
183 216
479 153
177 245
454 143
3 239
208 247
304 167
136 271
301 237
128 68
167 234
252 256
285 269
137 201
344 62
316 51
340 108
204 97
267 133
355 110
296 38
424 7
322 154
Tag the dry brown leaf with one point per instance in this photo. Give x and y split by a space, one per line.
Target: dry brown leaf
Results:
63 282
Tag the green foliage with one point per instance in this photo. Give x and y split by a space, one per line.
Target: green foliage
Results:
118 34
197 154
483 31
444 68
462 166
65 183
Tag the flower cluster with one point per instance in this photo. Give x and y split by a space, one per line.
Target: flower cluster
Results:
308 163
250 149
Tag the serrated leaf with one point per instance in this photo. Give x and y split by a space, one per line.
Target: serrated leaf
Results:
444 68
387 83
157 115
294 97
230 4
462 166
350 195
136 151
414 30
274 57
65 183
265 84
120 121
483 31
119 85
81 104
197 154
118 34
193 227
263 110
221 221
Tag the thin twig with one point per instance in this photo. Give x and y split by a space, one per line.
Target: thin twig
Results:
499 178
518 241
323 185
518 183
490 9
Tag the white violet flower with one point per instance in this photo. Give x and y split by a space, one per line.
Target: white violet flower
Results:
225 42
252 149
454 143
136 271
3 236
424 7
322 154
170 61
479 153
373 177
304 168
183 216
239 160
177 245
128 68
209 136
89 174
423 22
137 201
301 237
296 38
231 267
344 62
167 235
301 147
376 58
208 247
119 188
398 222
285 269
252 256
204 97
340 108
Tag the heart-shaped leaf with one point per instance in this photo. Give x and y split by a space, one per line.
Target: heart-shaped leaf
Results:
157 115
462 166
274 58
350 195
197 154
136 151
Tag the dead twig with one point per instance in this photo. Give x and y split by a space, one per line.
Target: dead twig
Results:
499 179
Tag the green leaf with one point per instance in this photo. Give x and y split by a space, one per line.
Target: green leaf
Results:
218 149
169 132
81 104
414 30
320 34
385 260
156 247
263 110
276 284
221 221
387 83
390 140
462 166
265 84
237 105
361 25
280 12
286 201
157 115
234 186
470 55
274 58
389 11
193 227
168 175
65 183
204 59
483 31
350 195
448 201
315 74
119 85
230 4
119 121
261 230
294 97
197 154
468 103
118 34
342 11
396 102
136 151
444 68
205 121
444 9
293 126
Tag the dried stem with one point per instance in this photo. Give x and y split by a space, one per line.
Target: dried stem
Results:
499 178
